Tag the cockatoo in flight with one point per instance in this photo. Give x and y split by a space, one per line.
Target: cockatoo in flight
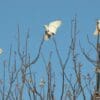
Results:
97 28
51 29
1 51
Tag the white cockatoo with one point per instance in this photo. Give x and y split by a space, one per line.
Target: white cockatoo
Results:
97 28
51 29
1 50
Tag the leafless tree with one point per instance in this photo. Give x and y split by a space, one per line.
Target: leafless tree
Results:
19 77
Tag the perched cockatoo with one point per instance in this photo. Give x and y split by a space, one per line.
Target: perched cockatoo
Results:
97 28
1 51
51 29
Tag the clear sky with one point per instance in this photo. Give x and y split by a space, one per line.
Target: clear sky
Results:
33 14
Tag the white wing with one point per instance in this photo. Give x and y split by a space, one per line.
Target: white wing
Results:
53 26
99 24
97 28
51 29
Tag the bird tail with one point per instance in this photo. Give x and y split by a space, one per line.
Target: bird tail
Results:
46 37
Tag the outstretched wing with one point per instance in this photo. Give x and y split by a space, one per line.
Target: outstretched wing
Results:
51 29
53 26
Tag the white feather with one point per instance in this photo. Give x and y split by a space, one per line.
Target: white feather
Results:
97 28
46 37
53 26
98 24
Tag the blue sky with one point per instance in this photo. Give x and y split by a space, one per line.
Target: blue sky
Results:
33 14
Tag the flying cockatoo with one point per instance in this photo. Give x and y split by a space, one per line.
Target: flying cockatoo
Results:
1 51
51 29
97 31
